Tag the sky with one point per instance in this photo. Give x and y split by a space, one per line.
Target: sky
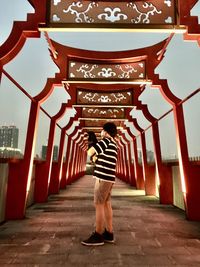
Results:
33 65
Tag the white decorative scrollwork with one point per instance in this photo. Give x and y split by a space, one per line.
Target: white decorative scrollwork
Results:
56 18
93 111
168 3
108 12
125 71
118 97
72 64
142 16
107 72
112 15
55 2
72 75
86 71
81 16
90 97
169 20
104 99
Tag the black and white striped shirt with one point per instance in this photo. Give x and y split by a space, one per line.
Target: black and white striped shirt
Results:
106 151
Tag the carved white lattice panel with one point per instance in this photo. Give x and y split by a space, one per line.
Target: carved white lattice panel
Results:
104 98
115 113
99 71
110 12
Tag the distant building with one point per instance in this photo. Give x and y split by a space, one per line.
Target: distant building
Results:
55 153
150 156
9 136
7 152
44 152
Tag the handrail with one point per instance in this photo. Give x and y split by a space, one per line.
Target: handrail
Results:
169 111
27 94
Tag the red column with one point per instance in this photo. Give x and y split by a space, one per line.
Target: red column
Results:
75 150
148 172
138 169
19 182
69 163
71 159
131 163
63 182
119 169
163 172
55 178
126 160
189 173
123 161
42 177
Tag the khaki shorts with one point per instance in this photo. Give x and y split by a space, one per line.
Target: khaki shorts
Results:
102 191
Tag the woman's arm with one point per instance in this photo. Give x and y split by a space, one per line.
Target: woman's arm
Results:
91 151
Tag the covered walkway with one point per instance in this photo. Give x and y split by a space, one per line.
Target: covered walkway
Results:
147 233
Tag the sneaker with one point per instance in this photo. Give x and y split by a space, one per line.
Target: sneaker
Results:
94 240
108 237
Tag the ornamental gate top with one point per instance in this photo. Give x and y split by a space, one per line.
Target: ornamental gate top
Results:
103 99
130 15
105 103
126 67
100 71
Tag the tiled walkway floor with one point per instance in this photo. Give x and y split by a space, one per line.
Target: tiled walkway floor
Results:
147 233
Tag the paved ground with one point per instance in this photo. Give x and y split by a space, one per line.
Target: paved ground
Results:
147 233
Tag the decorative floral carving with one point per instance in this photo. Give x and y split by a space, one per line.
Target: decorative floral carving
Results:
143 17
168 3
107 72
119 97
79 70
103 112
103 98
126 70
119 12
55 2
56 18
86 71
81 16
91 97
112 15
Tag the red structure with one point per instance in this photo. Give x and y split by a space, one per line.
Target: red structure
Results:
102 86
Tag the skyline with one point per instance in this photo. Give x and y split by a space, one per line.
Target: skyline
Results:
31 69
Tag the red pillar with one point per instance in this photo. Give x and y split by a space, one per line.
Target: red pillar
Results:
189 174
42 178
54 185
63 182
122 159
148 172
70 162
163 172
19 182
130 163
138 168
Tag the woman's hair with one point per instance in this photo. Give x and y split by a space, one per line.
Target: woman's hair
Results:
91 139
110 128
